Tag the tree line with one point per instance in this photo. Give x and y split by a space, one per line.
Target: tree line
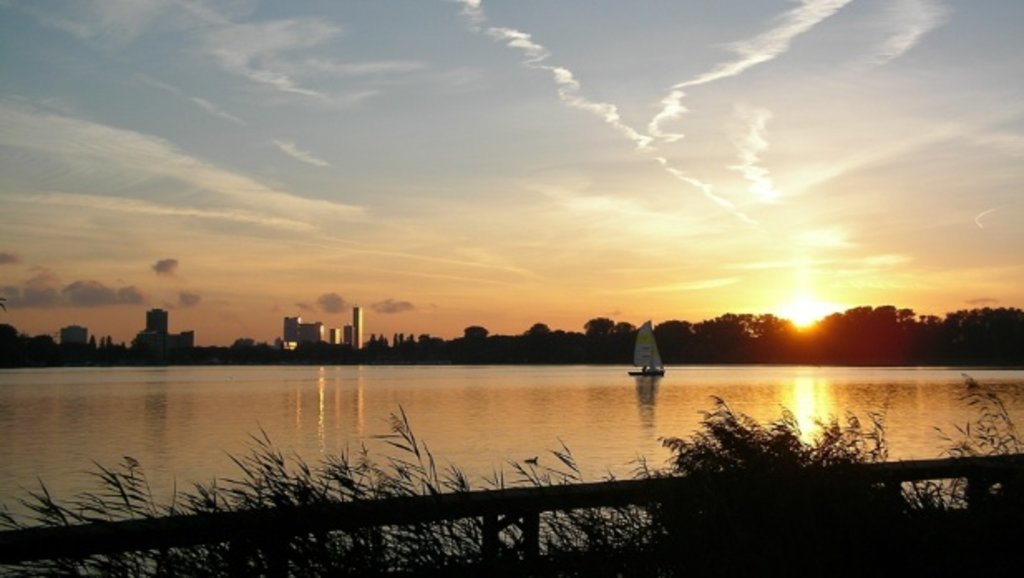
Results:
882 335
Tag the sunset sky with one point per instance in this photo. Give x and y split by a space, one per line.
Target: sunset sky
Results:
448 163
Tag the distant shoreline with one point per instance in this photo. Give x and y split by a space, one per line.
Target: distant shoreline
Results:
951 366
860 337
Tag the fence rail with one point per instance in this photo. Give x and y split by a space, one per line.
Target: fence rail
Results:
497 509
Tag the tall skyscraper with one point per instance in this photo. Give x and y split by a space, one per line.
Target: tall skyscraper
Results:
291 329
357 328
158 342
156 321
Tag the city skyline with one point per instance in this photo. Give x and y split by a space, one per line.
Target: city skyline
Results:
295 331
452 163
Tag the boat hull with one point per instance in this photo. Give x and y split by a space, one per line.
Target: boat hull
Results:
648 373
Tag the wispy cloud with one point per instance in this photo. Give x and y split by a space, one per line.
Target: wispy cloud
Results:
133 161
291 149
874 262
253 51
472 11
1006 143
760 49
327 67
115 23
700 285
214 110
139 207
914 18
201 103
274 54
442 276
264 53
749 145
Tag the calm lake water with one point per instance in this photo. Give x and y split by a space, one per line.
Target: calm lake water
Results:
182 423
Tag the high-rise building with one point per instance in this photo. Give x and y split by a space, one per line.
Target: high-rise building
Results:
311 332
347 335
357 328
291 329
334 336
157 341
74 334
296 332
156 321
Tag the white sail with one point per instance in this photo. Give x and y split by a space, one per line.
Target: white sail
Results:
646 352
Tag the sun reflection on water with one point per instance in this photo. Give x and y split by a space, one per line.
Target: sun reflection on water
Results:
811 401
360 402
321 385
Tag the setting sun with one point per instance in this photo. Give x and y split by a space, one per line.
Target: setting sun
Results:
806 311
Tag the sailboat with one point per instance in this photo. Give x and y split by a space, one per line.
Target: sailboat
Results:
645 353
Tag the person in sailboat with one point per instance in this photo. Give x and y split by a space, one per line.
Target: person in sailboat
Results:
645 353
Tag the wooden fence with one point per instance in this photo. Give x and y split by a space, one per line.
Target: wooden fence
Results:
497 511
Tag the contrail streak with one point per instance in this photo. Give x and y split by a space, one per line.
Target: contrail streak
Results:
749 146
568 86
760 49
569 90
569 93
705 188
978 217
921 16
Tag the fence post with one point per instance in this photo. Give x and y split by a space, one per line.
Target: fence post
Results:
238 556
530 526
275 551
489 545
977 493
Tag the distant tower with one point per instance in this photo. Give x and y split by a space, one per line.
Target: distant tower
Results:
357 328
291 329
156 321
